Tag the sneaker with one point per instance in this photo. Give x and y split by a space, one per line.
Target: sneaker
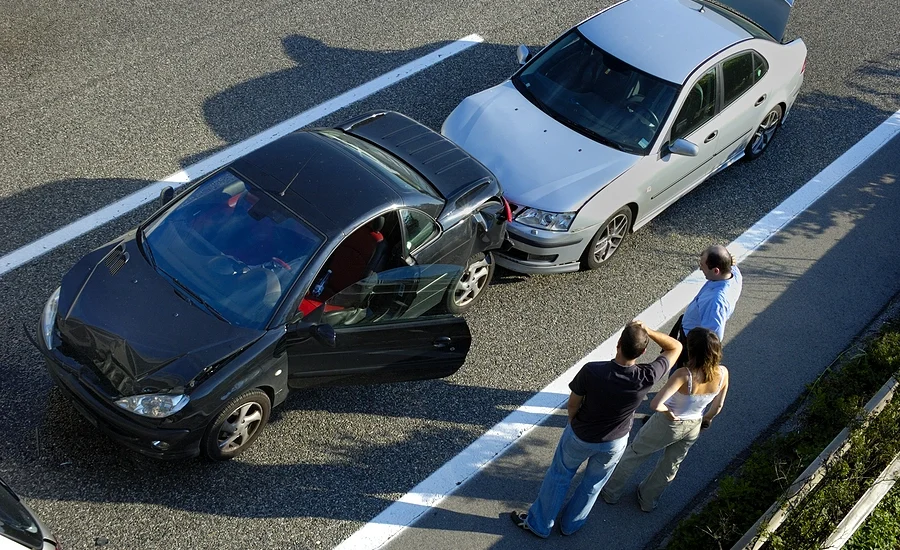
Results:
519 518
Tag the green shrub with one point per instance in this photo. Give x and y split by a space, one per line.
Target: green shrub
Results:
830 404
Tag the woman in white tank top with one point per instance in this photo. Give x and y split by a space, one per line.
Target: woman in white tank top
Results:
680 416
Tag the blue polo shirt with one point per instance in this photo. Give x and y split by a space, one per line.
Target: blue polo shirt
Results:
714 304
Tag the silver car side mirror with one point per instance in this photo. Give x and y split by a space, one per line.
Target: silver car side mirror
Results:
683 147
522 54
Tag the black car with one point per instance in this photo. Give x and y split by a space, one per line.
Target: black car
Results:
330 256
19 527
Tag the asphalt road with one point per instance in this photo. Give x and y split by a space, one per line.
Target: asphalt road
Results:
804 300
100 98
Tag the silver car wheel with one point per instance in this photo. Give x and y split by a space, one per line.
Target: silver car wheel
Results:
765 132
616 229
473 280
240 427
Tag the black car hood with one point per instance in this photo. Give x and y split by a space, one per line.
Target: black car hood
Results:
122 319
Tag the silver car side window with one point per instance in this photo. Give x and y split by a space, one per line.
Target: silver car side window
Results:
699 107
737 76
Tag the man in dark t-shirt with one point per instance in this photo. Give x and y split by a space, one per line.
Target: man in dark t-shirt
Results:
601 409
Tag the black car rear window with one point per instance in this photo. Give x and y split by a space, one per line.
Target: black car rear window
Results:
396 171
15 521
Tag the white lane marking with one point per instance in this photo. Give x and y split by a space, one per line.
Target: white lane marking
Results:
48 242
439 485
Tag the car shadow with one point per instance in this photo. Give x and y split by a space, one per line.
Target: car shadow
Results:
323 72
57 203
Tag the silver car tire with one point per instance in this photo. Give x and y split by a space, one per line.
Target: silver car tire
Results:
608 239
237 425
764 134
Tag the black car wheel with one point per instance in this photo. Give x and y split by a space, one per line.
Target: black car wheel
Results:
237 426
607 239
470 285
764 134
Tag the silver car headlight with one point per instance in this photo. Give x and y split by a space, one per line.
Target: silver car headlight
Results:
154 405
48 318
554 221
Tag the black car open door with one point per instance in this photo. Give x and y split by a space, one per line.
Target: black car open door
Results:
390 327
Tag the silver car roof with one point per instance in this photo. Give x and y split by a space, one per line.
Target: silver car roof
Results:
666 38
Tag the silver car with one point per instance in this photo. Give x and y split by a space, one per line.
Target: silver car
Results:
622 115
19 527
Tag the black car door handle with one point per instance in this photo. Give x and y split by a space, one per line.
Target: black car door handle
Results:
759 101
442 342
711 137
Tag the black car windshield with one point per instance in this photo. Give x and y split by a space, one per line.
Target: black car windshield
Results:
231 248
396 171
597 94
15 521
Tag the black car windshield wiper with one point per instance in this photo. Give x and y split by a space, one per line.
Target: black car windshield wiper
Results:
145 246
199 300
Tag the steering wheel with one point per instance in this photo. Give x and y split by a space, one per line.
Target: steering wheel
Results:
643 113
226 265
281 262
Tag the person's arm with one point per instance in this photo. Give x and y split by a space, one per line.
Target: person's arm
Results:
671 348
574 404
678 379
715 316
716 406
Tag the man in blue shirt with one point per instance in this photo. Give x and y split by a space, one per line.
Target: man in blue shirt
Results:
718 297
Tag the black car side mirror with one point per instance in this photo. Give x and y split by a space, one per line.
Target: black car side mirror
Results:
166 195
324 334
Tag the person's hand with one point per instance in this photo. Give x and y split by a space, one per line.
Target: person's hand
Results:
640 323
671 416
704 424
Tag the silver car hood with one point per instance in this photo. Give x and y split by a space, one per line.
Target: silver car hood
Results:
538 161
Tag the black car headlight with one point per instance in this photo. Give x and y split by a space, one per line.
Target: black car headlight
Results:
154 405
48 318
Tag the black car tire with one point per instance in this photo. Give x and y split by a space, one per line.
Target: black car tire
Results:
471 283
254 404
608 239
764 134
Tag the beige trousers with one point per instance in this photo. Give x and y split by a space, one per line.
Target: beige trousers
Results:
675 436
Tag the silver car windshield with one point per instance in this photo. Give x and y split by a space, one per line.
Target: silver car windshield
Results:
597 94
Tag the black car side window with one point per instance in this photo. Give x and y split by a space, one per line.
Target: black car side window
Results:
398 295
737 76
419 229
698 108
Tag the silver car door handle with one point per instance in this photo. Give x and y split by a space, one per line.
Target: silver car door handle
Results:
760 101
442 342
711 137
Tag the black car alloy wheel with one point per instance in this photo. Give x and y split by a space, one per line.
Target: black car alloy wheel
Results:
608 239
471 283
237 426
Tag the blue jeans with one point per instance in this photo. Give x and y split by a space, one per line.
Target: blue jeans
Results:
570 454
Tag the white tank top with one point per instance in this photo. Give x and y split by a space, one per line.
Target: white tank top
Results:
690 407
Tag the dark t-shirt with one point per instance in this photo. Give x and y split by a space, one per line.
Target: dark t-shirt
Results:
611 395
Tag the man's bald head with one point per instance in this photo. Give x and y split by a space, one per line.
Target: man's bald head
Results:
716 262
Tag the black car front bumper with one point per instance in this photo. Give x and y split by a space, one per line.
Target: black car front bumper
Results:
166 443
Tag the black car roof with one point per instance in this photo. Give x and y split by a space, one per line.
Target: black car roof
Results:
445 164
317 180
